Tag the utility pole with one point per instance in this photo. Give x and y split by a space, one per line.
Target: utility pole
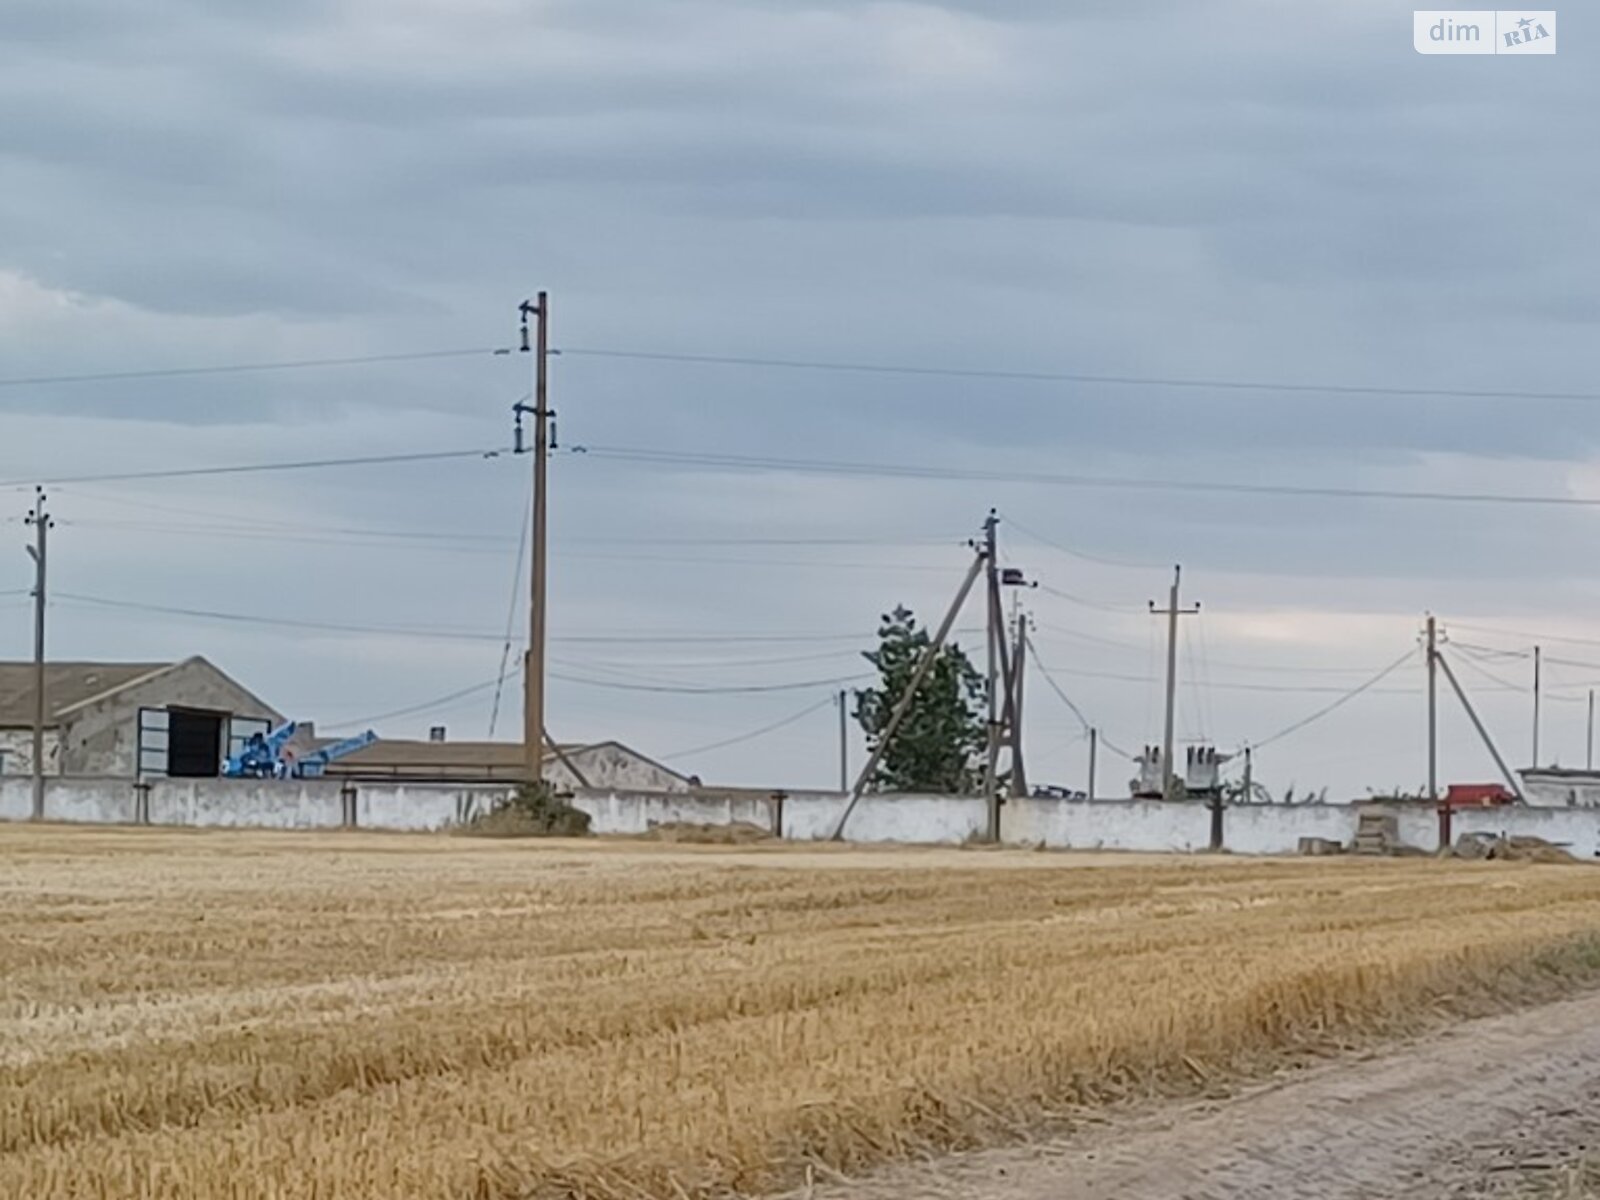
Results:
1094 746
1537 662
992 642
1433 710
1494 751
930 655
42 523
1172 612
533 670
1019 775
844 744
1588 759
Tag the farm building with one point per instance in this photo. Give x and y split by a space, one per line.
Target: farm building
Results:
123 720
1561 787
602 765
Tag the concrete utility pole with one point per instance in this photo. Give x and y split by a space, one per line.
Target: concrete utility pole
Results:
1094 746
993 641
1433 709
1172 612
42 523
1019 775
1588 758
1494 751
1537 662
533 669
844 743
930 655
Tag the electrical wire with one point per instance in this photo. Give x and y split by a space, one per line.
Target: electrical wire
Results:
1339 703
425 706
797 364
1085 603
754 733
511 614
241 368
368 460
281 622
745 689
1112 482
1130 564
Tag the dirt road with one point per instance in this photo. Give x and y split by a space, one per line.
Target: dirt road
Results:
1483 1110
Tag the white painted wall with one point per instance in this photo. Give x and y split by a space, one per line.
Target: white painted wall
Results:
1147 825
1106 824
16 751
927 820
636 812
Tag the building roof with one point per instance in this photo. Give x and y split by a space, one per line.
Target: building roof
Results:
460 760
493 760
66 685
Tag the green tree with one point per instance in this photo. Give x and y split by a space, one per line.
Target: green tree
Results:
941 741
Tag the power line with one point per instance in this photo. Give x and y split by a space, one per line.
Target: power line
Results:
242 368
1242 385
754 733
1112 482
511 615
425 706
369 460
712 691
1083 554
282 622
1340 702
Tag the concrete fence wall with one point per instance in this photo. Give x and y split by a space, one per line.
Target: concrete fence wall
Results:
805 816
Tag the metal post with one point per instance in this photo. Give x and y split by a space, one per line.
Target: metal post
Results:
844 743
533 673
1537 661
42 523
929 657
1094 745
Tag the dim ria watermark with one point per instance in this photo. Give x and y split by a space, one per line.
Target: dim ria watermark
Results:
1462 31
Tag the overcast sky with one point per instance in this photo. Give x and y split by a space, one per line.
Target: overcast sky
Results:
1194 189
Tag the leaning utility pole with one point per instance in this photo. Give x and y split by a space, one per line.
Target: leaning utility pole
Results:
1472 713
1172 612
533 670
930 655
42 522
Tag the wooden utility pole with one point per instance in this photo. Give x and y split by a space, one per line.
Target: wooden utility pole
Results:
1433 710
1094 745
844 743
1588 758
1537 663
42 523
533 667
1169 777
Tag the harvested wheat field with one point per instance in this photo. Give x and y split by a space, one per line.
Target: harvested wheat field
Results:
355 1015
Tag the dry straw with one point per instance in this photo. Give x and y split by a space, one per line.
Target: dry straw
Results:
301 1016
